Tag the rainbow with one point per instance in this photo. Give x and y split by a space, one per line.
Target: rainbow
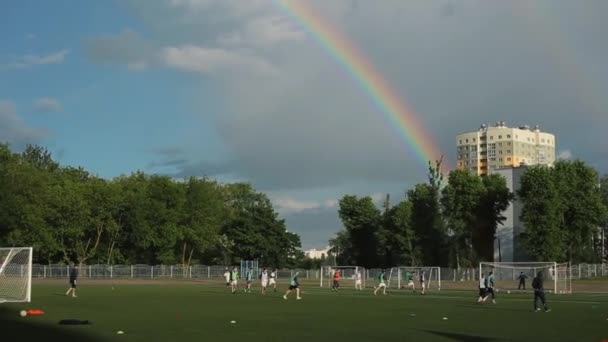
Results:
403 119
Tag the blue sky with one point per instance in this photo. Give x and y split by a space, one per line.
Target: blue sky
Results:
237 90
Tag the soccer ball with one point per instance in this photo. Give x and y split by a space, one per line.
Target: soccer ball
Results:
23 313
508 291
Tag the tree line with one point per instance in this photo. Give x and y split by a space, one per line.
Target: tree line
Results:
453 222
70 215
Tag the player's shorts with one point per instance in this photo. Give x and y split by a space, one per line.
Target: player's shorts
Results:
423 285
410 283
73 283
234 282
293 287
358 282
264 283
336 283
482 292
272 281
382 285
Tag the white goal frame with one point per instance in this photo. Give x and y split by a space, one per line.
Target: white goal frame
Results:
432 276
16 278
560 274
327 273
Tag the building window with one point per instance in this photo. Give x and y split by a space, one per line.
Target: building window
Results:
500 137
500 144
466 140
508 151
500 152
509 159
473 139
508 136
460 142
500 160
491 137
509 143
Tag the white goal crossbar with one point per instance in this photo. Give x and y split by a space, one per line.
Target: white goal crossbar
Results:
507 275
348 275
15 274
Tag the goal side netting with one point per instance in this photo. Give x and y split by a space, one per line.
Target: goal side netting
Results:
518 276
399 277
348 275
15 274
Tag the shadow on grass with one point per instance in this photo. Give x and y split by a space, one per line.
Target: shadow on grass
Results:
12 325
463 337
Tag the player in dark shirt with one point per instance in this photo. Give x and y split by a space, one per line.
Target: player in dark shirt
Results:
522 281
539 292
73 278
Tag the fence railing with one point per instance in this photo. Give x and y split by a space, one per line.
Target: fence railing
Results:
149 271
581 271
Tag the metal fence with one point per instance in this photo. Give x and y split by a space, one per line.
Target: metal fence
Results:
582 271
150 271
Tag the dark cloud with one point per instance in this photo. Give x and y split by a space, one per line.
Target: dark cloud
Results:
315 226
126 47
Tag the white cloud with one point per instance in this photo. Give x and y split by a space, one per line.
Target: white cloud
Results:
286 205
211 60
30 60
47 104
14 130
564 155
263 32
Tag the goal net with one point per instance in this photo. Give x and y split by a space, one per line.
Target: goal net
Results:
15 274
518 276
348 275
399 277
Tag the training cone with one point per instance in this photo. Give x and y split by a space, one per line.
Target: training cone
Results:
34 312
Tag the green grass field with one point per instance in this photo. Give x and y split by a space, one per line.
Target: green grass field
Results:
186 312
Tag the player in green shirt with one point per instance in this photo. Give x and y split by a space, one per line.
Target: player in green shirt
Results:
409 280
294 285
249 279
381 283
234 280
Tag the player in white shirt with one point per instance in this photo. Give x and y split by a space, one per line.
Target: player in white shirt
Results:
358 281
264 280
227 277
422 281
482 288
273 279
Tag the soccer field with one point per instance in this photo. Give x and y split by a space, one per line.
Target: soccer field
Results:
203 312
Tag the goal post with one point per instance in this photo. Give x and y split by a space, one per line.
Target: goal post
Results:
557 277
15 274
348 275
398 276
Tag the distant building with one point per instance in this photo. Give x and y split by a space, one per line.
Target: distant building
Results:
508 246
499 146
317 254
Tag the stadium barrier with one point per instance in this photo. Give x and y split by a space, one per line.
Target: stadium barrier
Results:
581 271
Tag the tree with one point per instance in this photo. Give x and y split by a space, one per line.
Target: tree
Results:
461 202
581 209
604 194
203 216
543 238
399 237
361 219
428 225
